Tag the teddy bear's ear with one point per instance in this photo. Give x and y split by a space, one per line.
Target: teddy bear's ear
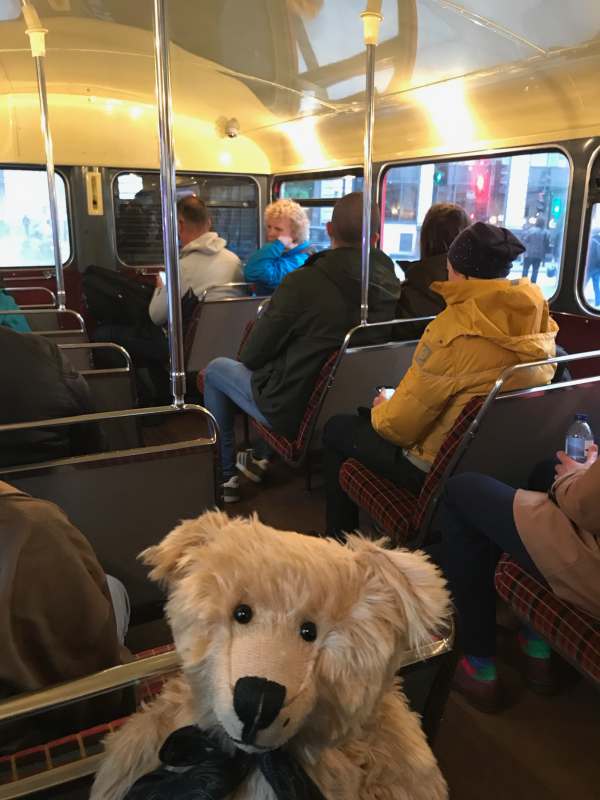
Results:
413 582
169 557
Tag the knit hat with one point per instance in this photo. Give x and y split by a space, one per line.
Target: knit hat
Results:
484 251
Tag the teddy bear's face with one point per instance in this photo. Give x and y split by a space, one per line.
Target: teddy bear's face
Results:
284 636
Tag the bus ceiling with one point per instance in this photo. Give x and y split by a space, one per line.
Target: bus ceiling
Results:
266 87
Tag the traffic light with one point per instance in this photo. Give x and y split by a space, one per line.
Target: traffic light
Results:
556 207
440 176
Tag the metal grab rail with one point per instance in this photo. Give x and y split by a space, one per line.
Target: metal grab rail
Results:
103 416
471 431
231 285
132 674
101 346
51 304
90 686
54 311
381 324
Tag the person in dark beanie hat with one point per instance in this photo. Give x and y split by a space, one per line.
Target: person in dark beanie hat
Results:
487 326
484 251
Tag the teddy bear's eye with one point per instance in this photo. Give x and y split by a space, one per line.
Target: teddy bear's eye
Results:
242 614
308 631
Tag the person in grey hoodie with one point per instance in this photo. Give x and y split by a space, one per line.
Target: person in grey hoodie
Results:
204 260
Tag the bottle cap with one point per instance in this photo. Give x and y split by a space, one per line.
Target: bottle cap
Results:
581 417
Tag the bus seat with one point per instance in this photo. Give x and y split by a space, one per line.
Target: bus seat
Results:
347 380
112 390
216 329
125 501
533 423
572 633
398 512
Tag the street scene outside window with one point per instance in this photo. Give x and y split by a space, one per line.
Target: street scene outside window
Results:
25 230
525 193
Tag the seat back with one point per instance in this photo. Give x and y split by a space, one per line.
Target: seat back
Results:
513 432
112 390
126 501
62 326
216 329
30 297
357 373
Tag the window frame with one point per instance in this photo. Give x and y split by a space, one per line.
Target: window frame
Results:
62 173
551 147
118 171
591 198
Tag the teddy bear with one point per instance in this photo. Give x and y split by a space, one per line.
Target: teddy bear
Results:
290 647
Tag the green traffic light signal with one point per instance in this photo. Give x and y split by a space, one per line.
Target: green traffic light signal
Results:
556 207
438 176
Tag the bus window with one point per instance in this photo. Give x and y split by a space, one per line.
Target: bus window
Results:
317 195
526 193
25 230
591 285
232 200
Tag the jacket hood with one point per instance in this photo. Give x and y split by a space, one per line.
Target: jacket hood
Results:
513 314
208 244
343 266
423 273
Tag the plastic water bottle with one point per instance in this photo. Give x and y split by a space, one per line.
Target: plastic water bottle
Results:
579 439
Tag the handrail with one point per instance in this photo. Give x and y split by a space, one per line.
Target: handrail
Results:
100 345
103 416
230 285
469 434
93 685
381 324
36 311
11 289
132 674
260 310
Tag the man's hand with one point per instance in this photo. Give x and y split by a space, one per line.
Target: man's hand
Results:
567 464
287 242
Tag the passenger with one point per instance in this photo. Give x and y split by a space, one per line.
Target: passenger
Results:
306 321
555 537
535 240
17 322
593 268
37 382
442 224
287 246
204 260
61 618
490 323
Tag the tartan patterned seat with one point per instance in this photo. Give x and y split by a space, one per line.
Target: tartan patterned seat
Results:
574 634
294 451
397 511
76 746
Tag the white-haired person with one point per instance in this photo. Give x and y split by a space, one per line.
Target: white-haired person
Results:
287 247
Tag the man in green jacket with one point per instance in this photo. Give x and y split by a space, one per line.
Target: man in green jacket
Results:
306 320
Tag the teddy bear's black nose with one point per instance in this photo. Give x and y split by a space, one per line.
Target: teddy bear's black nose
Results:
257 702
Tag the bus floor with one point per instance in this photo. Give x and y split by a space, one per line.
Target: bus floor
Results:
537 748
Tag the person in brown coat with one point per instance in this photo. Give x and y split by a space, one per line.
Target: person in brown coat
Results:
57 619
554 536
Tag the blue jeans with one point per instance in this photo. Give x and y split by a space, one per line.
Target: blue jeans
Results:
477 524
227 388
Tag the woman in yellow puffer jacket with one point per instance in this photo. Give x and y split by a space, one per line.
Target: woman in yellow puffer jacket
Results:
490 323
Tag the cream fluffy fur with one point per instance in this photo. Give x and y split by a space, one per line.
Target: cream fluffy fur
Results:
347 721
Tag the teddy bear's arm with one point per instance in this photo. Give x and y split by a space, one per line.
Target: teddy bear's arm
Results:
133 750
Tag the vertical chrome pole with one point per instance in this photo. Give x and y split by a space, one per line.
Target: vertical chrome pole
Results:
367 182
169 199
37 34
371 20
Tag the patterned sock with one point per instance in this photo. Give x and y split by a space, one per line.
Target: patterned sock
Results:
482 668
532 644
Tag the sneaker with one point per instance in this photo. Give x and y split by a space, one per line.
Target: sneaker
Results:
537 666
231 490
254 469
483 695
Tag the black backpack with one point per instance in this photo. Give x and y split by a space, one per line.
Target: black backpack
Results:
115 298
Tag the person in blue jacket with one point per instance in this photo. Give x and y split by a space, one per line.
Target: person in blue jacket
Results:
17 322
287 246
